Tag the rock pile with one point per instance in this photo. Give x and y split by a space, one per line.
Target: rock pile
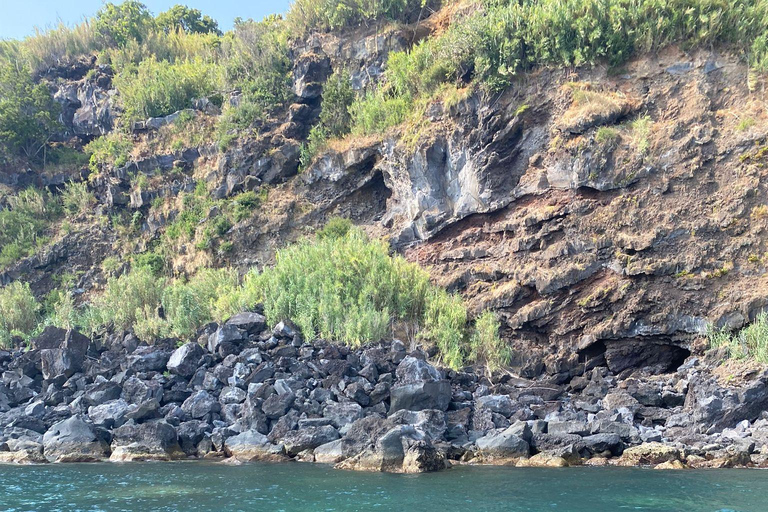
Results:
251 393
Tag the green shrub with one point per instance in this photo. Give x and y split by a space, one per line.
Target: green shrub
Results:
120 23
308 15
76 198
244 204
377 111
336 227
18 312
316 142
337 98
28 113
109 150
158 88
23 224
750 342
150 260
486 346
181 17
127 298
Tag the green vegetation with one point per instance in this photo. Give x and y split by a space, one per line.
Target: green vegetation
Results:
486 344
181 17
308 15
28 113
18 312
495 44
751 342
76 198
23 224
335 119
160 88
108 150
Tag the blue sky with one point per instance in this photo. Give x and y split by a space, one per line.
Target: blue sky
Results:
18 18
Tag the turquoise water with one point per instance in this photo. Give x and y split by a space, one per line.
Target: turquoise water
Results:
293 487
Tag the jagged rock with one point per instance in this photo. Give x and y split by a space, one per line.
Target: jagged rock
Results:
110 414
251 323
60 363
342 414
148 359
153 440
184 360
253 446
503 445
501 404
200 405
329 453
102 392
401 449
649 454
74 440
419 386
307 438
277 405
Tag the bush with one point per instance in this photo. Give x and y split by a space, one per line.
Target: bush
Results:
338 95
308 15
486 346
160 88
109 150
23 224
377 111
28 113
128 298
750 342
181 17
76 198
336 227
120 23
18 312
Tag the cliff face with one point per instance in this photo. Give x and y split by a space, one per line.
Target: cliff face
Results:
608 216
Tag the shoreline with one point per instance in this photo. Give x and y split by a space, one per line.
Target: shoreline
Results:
245 392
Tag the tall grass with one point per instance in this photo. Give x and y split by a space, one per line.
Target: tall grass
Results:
158 88
502 38
18 312
751 342
23 224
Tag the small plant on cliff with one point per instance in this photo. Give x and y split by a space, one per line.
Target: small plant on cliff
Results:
19 312
486 346
750 342
76 198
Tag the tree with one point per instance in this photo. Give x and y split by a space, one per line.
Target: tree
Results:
187 19
121 23
337 97
28 113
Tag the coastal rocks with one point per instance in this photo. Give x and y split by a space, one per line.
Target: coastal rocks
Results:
154 440
184 360
419 386
503 446
308 438
74 440
649 454
402 449
253 446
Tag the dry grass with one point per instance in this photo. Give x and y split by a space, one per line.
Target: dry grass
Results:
592 108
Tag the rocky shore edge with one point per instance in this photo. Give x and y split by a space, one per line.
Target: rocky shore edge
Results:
243 392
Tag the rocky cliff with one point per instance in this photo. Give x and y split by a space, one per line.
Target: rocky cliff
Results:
610 217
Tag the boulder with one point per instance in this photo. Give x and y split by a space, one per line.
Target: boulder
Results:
153 440
277 405
649 454
110 414
308 438
501 404
74 440
148 359
342 414
252 323
253 446
60 363
329 453
184 360
502 446
200 405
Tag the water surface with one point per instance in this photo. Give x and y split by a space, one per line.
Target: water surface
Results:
294 487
